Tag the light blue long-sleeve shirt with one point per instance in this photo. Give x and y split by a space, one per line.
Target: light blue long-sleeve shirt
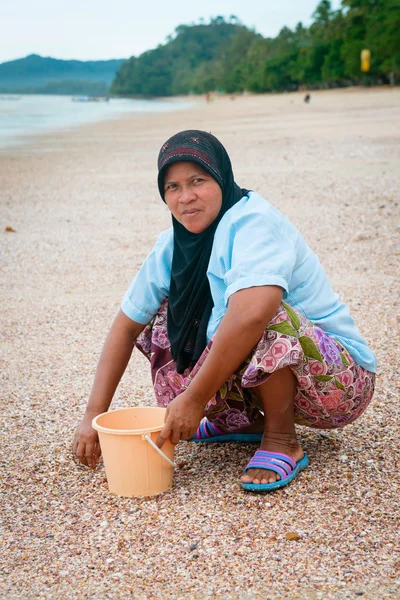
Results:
254 245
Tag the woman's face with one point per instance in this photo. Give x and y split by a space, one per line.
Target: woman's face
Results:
192 195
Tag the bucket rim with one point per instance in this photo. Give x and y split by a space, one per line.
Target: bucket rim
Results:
108 430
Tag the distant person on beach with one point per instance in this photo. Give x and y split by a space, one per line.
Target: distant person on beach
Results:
307 98
244 333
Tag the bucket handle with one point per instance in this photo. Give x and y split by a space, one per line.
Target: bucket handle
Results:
157 449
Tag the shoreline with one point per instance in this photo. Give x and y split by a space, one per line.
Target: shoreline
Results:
68 124
85 210
195 101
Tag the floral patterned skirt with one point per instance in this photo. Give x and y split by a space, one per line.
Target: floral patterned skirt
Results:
332 390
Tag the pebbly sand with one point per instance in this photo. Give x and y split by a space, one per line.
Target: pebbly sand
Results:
85 209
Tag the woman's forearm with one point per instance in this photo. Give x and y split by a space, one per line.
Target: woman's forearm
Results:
113 361
248 314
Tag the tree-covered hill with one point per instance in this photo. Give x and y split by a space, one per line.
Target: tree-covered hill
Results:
199 58
225 55
49 75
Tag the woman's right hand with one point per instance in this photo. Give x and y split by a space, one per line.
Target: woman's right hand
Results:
86 446
115 356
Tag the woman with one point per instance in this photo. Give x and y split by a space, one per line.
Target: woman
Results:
243 331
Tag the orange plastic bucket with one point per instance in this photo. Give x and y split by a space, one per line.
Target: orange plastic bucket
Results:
134 465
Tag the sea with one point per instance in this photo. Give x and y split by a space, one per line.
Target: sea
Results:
22 116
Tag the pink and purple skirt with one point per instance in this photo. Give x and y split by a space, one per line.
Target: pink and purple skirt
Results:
332 390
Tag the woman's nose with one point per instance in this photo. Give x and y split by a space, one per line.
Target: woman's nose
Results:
187 195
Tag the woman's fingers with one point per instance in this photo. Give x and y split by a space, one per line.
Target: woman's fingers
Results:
164 435
80 453
75 443
86 445
176 435
170 430
88 453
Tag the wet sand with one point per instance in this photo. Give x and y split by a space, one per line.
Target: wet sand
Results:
85 209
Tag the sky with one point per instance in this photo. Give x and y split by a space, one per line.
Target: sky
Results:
104 29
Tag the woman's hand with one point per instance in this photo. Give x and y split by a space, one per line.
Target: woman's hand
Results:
86 445
182 419
112 364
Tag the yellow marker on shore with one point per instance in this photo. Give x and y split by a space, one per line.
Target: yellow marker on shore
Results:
365 60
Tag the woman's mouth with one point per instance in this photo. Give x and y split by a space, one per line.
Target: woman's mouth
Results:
190 213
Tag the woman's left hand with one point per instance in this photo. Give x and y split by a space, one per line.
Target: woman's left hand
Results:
182 419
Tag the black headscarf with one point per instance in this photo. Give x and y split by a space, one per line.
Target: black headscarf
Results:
190 302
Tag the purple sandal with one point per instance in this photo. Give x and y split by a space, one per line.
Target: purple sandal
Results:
282 464
207 433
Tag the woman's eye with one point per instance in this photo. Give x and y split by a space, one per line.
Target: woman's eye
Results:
198 180
170 186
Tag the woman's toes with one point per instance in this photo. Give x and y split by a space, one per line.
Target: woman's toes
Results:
258 476
249 476
265 477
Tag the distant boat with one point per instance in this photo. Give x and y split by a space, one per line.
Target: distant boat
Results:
90 99
10 97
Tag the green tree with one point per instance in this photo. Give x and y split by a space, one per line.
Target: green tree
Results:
226 55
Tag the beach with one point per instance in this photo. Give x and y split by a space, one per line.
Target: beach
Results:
84 210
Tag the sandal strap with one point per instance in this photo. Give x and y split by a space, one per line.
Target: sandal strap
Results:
270 466
272 461
206 430
278 455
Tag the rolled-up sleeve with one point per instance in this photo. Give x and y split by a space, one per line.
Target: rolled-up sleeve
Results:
150 286
261 254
